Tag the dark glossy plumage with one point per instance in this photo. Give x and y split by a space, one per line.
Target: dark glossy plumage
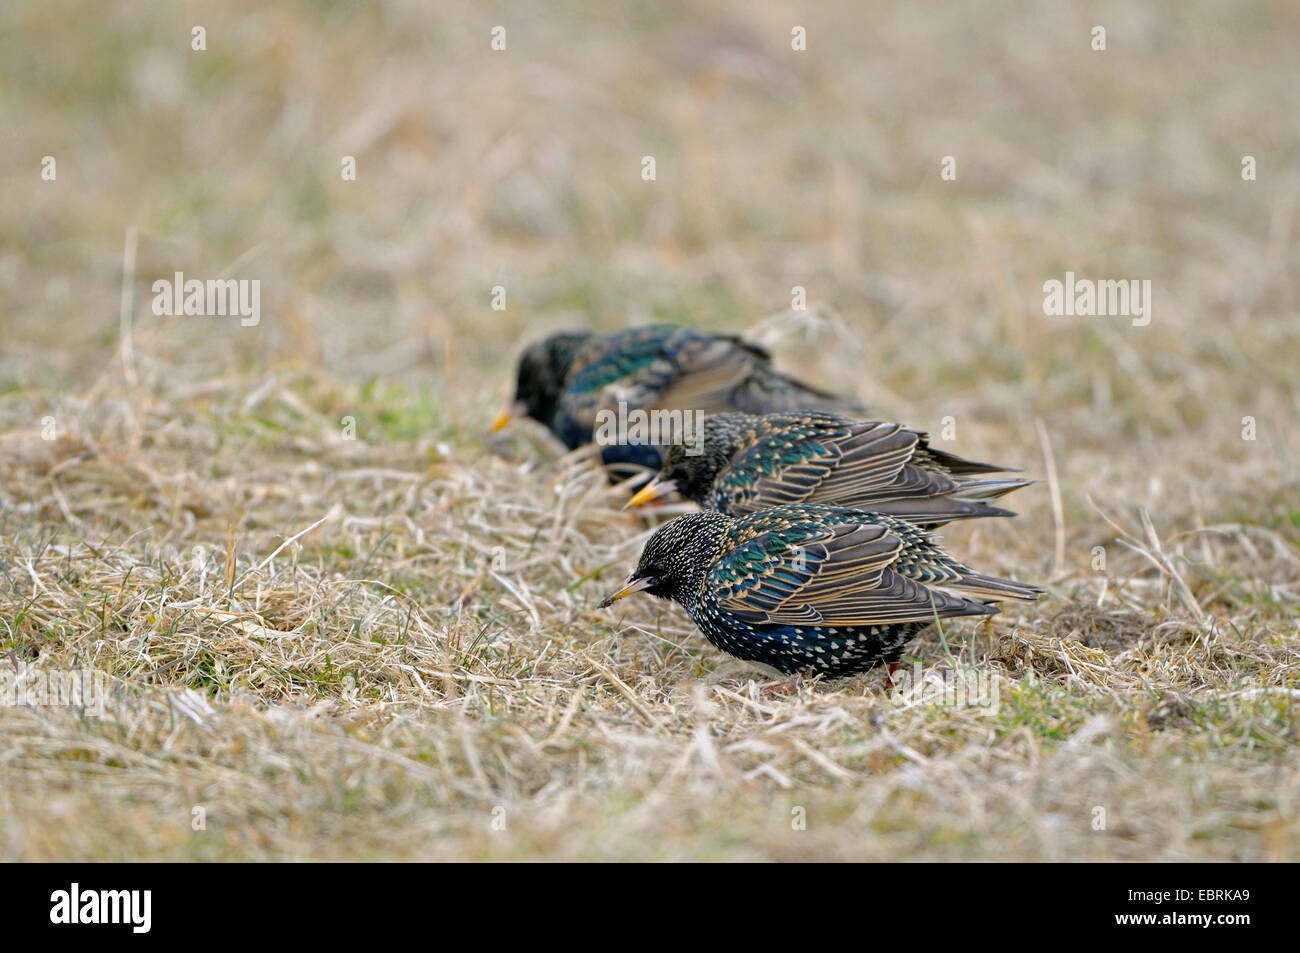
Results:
749 463
811 588
566 379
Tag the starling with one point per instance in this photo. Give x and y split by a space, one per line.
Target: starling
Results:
810 588
566 379
747 463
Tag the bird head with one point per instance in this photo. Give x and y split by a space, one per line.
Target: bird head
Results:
691 470
674 561
543 367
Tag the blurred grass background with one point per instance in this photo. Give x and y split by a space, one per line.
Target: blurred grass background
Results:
775 168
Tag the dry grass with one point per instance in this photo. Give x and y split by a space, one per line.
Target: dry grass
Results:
386 648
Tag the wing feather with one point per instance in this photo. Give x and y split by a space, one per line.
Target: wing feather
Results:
707 370
835 568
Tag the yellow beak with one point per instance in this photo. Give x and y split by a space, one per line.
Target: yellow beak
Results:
632 585
510 413
651 491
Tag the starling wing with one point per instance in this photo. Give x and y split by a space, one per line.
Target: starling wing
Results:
676 368
825 458
814 565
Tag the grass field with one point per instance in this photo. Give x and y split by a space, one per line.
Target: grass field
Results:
334 621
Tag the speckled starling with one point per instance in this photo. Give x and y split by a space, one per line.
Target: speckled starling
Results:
810 588
565 379
747 463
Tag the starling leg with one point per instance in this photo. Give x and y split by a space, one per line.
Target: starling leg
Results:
889 675
777 688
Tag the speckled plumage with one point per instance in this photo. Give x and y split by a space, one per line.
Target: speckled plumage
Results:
565 379
750 462
810 588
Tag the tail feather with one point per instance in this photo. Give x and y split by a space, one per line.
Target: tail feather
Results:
993 587
935 511
988 489
957 466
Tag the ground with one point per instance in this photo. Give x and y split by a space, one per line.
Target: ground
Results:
332 620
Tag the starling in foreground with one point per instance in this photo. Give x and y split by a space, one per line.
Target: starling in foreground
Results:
565 379
810 588
749 463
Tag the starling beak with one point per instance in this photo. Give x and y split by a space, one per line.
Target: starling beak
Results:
810 588
651 491
633 584
748 463
517 409
566 380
